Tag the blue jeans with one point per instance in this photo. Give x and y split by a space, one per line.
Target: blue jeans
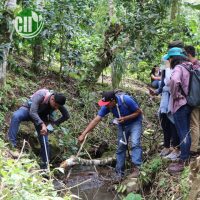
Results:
134 131
156 84
22 114
182 123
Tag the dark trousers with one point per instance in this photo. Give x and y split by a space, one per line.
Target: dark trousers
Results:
182 122
169 130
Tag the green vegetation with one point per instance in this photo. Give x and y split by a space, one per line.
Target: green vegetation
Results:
23 180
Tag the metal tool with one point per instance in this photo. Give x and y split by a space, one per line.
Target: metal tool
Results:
45 147
123 131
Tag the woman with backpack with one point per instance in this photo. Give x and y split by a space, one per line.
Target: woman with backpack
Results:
178 85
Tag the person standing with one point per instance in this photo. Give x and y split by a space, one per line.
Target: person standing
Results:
129 116
178 86
195 115
171 139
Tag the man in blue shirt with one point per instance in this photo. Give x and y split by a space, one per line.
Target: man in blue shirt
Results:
129 119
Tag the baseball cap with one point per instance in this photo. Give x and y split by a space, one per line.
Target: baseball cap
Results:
60 98
107 97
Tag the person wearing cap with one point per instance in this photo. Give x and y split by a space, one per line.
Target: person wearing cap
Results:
38 109
129 118
178 86
195 115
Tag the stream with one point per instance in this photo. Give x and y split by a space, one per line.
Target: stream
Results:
87 184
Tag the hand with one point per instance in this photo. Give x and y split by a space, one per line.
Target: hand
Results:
151 92
43 130
121 120
81 138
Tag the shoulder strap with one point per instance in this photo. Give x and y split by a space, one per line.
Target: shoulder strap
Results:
47 94
190 67
123 100
46 97
189 70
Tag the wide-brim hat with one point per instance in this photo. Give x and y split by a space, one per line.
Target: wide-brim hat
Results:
175 51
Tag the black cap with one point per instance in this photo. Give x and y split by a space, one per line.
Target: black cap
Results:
107 97
176 43
59 98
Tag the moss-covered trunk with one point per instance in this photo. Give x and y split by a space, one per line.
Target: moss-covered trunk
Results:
6 32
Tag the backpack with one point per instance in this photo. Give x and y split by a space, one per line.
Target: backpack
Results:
47 94
121 94
193 97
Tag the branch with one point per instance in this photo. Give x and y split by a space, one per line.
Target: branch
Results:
77 160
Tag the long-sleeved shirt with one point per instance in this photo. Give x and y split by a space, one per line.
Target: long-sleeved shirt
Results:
178 85
39 109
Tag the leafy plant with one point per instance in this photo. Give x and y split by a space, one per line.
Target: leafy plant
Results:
149 169
22 180
120 188
132 196
185 187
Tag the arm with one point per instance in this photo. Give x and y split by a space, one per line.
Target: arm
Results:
133 107
65 116
89 128
159 90
131 116
155 77
175 82
36 100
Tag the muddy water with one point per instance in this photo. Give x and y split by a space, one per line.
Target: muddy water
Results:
89 185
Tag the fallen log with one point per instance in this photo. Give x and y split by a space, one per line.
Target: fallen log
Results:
73 160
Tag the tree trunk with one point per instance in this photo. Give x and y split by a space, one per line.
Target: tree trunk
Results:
76 160
6 34
107 56
174 9
3 66
37 52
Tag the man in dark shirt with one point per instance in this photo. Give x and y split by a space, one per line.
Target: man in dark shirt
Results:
129 119
39 109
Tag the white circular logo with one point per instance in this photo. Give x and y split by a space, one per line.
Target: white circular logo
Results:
28 23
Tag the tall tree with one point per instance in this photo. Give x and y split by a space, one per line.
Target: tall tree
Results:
106 56
37 47
6 35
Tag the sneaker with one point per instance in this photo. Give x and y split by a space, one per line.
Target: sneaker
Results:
176 167
165 152
174 155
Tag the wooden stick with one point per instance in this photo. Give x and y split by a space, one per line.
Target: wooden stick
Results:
69 173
